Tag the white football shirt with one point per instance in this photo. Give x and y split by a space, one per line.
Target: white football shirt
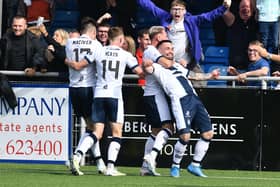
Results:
76 50
110 66
152 87
174 80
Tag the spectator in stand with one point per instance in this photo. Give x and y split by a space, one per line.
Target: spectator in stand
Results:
102 33
183 29
129 45
55 52
32 9
267 14
122 12
21 50
143 40
9 10
258 66
242 30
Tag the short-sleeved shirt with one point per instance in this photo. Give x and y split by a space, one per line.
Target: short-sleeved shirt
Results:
255 66
152 86
187 108
110 65
76 50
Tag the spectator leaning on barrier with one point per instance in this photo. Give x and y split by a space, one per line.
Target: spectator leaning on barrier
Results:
21 50
258 66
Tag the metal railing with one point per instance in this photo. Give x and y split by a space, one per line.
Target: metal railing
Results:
264 79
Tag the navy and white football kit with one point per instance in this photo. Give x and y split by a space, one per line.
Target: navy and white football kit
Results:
82 82
110 66
187 108
156 106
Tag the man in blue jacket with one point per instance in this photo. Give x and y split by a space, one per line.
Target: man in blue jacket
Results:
183 28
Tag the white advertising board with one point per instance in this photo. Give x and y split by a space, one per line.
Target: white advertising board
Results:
39 128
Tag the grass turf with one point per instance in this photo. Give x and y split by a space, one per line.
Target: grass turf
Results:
32 175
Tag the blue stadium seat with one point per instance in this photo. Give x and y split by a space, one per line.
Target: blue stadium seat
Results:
206 35
69 5
65 19
223 72
144 19
216 55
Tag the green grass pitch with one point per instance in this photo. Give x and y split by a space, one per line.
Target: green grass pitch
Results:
33 175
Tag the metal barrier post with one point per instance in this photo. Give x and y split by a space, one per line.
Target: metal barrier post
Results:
264 84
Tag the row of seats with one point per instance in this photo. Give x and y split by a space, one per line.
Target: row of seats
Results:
216 57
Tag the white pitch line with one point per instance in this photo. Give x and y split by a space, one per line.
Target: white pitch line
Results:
245 178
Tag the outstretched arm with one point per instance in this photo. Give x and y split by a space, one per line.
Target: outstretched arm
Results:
204 76
214 14
152 8
105 16
229 18
264 53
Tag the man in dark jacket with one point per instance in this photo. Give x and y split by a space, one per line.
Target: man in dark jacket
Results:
20 50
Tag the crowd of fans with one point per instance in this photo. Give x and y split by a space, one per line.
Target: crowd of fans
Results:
242 22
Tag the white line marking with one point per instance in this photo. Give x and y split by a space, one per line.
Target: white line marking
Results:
245 178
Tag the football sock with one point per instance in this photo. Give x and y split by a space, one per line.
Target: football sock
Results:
149 144
96 150
86 142
160 141
200 150
179 150
114 149
148 147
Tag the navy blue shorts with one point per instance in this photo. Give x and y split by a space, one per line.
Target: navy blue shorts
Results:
82 99
157 110
193 115
107 109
